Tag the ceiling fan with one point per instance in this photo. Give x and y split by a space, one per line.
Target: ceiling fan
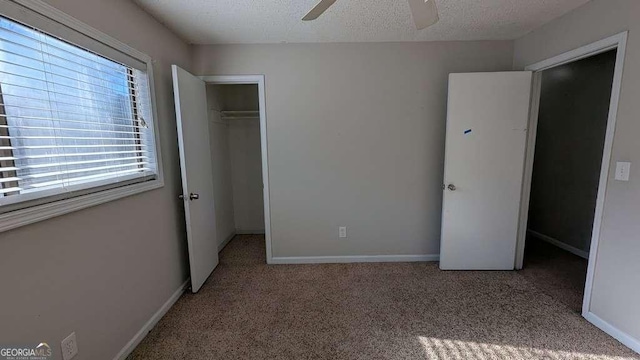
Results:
424 12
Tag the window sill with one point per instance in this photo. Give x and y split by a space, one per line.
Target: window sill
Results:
18 218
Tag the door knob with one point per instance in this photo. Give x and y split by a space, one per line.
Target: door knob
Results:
192 196
451 187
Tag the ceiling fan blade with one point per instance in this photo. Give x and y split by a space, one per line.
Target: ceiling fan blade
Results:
424 12
317 10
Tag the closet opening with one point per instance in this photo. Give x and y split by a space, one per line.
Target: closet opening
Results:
568 163
239 161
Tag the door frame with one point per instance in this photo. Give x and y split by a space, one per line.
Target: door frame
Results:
254 80
618 42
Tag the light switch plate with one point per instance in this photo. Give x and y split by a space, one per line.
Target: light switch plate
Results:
622 171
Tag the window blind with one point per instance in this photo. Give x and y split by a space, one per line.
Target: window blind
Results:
70 119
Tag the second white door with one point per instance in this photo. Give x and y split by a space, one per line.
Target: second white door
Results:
486 138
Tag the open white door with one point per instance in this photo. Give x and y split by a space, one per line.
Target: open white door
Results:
486 138
197 181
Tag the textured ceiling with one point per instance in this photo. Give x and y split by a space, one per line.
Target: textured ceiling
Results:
275 21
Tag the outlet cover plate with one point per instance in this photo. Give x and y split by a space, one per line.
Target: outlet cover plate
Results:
622 171
342 232
69 347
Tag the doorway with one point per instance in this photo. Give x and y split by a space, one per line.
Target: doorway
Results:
573 113
234 123
237 128
571 131
193 113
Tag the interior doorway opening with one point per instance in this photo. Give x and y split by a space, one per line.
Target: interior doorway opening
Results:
571 131
193 117
573 119
238 163
234 123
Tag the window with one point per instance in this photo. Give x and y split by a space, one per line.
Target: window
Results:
72 122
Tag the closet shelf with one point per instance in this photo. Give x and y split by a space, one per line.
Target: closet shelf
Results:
240 114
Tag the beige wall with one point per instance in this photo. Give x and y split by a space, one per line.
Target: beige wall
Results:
221 166
615 289
104 271
355 138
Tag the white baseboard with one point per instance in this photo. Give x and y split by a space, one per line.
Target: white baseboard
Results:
249 232
140 335
226 241
626 339
560 244
353 259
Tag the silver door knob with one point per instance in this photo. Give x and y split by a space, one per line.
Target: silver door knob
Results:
192 196
451 187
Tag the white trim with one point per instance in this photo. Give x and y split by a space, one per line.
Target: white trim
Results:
553 241
226 241
156 122
146 328
30 215
606 162
626 339
618 42
589 50
354 259
260 81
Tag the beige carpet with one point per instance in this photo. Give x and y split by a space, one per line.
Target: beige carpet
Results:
555 272
248 310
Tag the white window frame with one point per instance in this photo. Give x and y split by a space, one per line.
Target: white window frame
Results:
30 215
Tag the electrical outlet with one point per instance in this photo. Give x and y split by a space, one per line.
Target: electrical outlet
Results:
69 347
342 231
622 171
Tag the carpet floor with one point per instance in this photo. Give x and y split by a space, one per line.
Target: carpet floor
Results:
248 310
555 272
